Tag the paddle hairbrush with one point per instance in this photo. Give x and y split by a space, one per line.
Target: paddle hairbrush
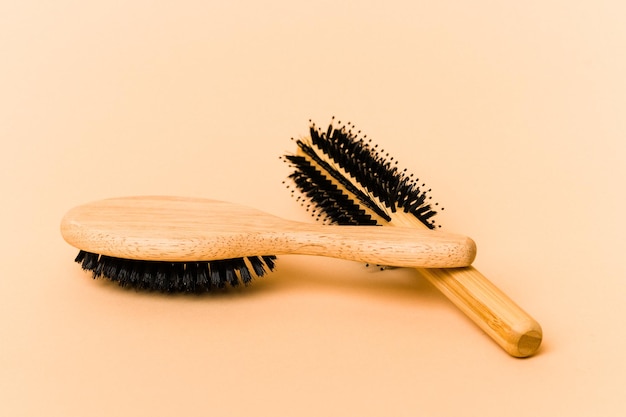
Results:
177 244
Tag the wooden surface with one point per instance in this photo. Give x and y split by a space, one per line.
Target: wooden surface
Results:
512 112
166 228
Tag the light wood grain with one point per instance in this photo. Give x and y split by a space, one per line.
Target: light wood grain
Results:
192 229
491 309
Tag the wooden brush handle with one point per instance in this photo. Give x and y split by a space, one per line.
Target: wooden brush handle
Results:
398 246
493 311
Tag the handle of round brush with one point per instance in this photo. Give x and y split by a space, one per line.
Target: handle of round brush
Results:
493 311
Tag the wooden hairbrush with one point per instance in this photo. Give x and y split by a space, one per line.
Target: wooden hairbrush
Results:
192 244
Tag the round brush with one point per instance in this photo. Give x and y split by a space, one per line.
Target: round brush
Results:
345 179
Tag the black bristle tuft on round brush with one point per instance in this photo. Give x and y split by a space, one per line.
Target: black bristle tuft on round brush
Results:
326 195
176 277
332 161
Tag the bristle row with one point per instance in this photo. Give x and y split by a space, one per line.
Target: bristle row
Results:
376 173
170 277
337 207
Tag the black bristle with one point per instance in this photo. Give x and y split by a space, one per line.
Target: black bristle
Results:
81 255
245 275
218 280
202 277
257 265
189 276
230 268
88 260
326 196
270 261
123 270
175 277
383 188
161 279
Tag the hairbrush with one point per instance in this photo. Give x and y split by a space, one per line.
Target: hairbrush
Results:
345 179
177 244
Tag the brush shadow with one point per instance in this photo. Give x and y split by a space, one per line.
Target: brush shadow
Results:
295 273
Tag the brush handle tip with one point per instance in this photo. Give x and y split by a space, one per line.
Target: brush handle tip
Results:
491 309
528 343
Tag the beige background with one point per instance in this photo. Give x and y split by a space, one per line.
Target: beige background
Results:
513 113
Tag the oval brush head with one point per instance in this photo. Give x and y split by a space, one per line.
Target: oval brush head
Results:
191 244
